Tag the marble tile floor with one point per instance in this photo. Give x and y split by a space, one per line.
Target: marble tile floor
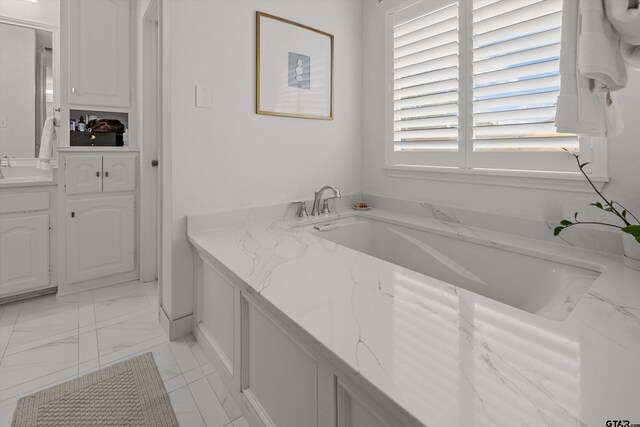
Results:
48 340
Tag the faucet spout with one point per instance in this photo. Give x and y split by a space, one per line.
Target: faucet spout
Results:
318 195
5 162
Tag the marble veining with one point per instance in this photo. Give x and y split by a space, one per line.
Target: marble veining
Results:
594 238
446 355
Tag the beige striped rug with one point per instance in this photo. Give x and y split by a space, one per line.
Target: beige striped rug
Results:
129 393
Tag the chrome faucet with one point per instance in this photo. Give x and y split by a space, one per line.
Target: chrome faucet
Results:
5 162
318 195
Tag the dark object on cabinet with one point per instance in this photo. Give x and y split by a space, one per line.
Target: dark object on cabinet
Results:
84 139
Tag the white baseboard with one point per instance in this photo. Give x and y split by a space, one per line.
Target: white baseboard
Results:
176 328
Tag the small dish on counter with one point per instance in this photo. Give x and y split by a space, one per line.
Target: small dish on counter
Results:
360 206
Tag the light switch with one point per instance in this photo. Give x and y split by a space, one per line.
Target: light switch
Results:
3 122
203 96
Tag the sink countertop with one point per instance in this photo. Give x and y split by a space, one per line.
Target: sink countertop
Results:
446 355
28 182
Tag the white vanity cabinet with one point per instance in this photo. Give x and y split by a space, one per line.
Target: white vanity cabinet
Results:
100 239
279 377
99 42
27 261
24 253
106 173
98 197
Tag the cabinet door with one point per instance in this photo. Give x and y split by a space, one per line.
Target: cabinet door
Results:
100 237
280 377
353 412
99 39
24 253
83 174
217 313
119 172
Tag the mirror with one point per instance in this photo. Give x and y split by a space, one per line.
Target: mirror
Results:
26 88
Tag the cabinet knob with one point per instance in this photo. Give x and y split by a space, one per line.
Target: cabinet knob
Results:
154 163
98 174
73 90
106 174
73 214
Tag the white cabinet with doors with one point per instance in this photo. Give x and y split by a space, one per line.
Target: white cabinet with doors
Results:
108 173
24 254
99 46
100 218
27 260
100 237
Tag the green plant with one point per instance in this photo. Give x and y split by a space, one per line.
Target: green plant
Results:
610 206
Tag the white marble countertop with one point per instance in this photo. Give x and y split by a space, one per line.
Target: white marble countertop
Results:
98 148
27 182
446 355
30 181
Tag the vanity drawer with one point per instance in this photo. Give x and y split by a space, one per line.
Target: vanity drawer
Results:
22 202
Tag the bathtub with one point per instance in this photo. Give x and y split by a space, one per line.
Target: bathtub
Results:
535 284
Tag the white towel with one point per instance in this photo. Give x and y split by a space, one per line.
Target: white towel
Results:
631 54
46 144
599 56
591 66
627 23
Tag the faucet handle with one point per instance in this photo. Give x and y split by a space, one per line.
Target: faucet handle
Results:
325 206
302 211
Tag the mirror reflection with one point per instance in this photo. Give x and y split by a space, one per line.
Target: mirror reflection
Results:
26 88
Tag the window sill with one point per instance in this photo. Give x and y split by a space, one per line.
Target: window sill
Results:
558 181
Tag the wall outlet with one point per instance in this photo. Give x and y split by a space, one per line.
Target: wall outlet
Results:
203 96
3 122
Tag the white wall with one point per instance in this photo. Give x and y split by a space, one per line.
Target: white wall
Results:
43 12
140 9
17 89
529 203
227 157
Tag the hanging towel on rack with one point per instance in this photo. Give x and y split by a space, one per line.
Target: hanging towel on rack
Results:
47 143
591 66
626 21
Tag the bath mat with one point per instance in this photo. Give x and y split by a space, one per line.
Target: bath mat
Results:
129 393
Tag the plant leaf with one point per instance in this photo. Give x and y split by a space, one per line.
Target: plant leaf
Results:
584 164
565 222
634 230
624 213
596 204
557 230
575 216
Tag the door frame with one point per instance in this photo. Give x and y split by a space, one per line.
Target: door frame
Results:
150 179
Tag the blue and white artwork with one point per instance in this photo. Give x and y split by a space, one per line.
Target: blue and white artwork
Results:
299 71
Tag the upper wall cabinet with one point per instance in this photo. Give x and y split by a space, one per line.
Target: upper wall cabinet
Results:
99 53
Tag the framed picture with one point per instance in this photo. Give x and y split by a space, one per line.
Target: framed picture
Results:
294 69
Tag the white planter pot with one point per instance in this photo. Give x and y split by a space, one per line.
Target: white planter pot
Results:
631 251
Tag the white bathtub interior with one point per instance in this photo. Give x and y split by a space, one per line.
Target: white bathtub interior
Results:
537 285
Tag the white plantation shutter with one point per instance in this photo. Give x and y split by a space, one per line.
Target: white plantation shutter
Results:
475 83
425 80
516 78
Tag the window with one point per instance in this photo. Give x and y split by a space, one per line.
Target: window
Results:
473 86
